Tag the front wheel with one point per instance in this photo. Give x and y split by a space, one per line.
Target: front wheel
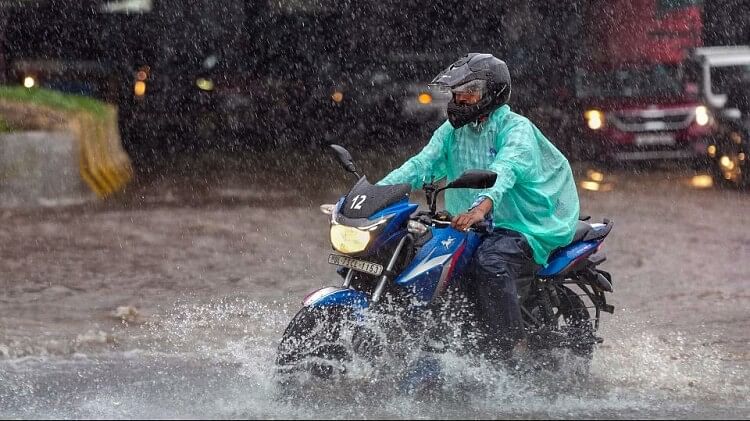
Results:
311 343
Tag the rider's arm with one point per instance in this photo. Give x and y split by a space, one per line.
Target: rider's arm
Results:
514 161
429 164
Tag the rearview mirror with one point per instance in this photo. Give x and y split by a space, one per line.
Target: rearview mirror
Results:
345 158
474 179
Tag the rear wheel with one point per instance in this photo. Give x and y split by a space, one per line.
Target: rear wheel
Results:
312 343
560 322
574 323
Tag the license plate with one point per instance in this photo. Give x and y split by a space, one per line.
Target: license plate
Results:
360 265
654 139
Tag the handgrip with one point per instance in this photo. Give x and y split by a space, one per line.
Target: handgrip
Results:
483 227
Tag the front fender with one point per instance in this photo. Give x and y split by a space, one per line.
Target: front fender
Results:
333 296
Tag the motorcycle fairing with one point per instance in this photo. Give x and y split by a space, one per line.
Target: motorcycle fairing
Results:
393 230
566 257
333 296
438 263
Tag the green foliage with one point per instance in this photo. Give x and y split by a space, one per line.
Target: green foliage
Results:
53 99
4 126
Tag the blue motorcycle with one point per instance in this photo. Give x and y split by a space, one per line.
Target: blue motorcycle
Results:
402 268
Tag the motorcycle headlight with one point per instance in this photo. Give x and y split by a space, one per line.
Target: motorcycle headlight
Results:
349 239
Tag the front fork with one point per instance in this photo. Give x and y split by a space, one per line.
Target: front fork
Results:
387 273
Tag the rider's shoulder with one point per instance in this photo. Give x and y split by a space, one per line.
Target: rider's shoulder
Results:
506 119
444 131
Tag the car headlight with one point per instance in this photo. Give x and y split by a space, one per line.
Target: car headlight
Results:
349 239
204 84
29 82
594 119
702 116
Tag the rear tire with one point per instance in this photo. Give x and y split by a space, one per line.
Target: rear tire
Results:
577 323
567 326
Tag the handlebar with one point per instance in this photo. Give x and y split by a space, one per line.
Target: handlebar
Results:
480 227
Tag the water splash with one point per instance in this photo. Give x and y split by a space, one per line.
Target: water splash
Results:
216 360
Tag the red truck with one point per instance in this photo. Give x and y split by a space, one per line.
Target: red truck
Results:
637 84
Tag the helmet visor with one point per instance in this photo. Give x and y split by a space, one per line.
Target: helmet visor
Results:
474 87
469 93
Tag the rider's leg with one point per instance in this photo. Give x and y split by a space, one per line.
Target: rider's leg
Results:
500 260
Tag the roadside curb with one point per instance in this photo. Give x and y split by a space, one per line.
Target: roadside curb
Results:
89 146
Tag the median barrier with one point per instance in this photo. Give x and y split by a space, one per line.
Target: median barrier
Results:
75 152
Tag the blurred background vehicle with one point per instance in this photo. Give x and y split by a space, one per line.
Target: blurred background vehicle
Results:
638 91
730 153
80 59
729 87
603 79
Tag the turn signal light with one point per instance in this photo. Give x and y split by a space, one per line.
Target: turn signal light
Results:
139 89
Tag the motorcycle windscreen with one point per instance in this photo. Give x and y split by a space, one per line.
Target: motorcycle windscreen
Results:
365 199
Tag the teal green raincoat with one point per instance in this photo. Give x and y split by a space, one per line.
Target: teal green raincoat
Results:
535 193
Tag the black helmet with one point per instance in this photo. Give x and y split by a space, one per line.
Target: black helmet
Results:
484 73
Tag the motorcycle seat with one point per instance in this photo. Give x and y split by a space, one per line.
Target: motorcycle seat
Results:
585 232
582 229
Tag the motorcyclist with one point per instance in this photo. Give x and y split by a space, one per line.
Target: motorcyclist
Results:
533 205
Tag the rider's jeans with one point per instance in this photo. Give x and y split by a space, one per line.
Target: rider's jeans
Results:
502 257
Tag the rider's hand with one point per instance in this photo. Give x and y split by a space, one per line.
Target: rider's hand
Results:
465 220
477 214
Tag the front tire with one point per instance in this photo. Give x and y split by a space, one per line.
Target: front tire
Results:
311 342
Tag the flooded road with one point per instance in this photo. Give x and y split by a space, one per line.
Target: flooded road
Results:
169 301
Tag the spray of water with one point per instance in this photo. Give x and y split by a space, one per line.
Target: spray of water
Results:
216 360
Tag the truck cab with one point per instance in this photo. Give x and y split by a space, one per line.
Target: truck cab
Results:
660 111
726 88
638 89
644 113
719 67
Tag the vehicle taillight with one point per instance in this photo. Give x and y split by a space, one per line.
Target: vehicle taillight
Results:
140 86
